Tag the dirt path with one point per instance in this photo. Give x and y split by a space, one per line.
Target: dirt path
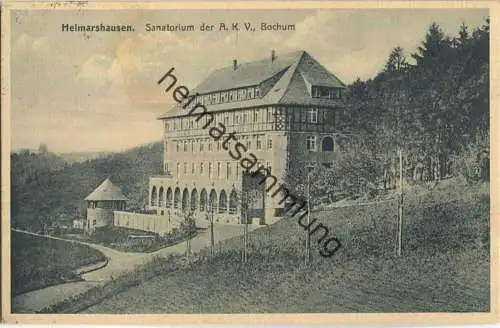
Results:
118 263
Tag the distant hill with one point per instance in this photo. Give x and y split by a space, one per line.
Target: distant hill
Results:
75 157
46 188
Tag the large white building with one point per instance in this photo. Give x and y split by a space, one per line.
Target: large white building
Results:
284 109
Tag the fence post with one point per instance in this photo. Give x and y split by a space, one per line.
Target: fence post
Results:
400 204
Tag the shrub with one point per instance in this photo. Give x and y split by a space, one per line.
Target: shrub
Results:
472 163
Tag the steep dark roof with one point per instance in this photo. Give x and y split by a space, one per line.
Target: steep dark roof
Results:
246 74
298 72
106 191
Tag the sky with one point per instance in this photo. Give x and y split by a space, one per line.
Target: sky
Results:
80 92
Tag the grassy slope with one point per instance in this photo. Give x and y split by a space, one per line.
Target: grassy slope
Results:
38 262
445 266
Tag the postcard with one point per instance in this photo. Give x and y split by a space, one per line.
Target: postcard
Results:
249 162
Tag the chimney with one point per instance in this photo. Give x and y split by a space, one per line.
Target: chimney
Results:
273 55
235 64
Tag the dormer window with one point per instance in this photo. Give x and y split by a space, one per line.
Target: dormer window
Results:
316 92
257 92
326 92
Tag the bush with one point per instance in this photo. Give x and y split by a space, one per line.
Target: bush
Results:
472 163
355 174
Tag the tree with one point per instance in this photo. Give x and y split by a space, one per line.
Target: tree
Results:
396 61
188 228
43 149
431 47
463 35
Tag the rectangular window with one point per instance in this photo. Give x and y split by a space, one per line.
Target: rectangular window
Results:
311 143
185 145
165 146
218 169
237 169
178 169
248 142
219 145
313 115
228 170
251 93
244 118
210 170
185 168
332 93
201 144
192 145
258 142
226 120
256 116
193 170
201 169
209 146
315 92
269 142
217 97
257 92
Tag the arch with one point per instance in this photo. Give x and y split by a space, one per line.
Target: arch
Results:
154 196
194 199
169 197
203 200
161 197
327 144
185 199
223 202
177 197
213 201
233 202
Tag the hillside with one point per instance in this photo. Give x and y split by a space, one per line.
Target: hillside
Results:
444 267
431 105
47 189
38 262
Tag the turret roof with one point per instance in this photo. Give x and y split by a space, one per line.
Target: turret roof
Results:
106 191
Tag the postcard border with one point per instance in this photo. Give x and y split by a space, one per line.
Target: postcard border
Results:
309 318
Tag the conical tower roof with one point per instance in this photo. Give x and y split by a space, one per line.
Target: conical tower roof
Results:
106 191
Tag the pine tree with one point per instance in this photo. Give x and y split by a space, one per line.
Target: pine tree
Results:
431 47
396 61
